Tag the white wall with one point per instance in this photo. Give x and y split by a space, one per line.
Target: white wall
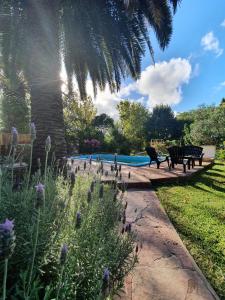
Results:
209 151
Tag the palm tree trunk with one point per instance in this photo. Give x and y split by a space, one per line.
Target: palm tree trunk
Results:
43 73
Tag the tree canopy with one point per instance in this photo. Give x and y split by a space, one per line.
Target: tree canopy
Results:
101 40
105 39
103 122
162 124
208 126
133 121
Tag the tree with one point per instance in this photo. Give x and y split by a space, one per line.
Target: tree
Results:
79 116
116 142
103 122
222 103
101 39
163 124
208 126
133 119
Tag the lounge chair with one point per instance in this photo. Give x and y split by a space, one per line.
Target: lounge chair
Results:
195 152
177 156
155 157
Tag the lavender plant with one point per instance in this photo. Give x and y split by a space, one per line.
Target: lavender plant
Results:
38 204
35 270
14 142
63 256
7 244
47 150
33 138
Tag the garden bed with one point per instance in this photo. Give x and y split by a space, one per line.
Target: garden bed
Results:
63 235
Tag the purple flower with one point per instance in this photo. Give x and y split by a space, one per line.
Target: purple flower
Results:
40 188
106 275
89 196
72 179
125 206
7 239
128 228
7 225
136 248
39 163
78 220
63 254
14 136
105 281
92 186
33 131
101 191
48 144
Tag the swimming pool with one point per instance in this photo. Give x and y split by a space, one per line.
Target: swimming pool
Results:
133 161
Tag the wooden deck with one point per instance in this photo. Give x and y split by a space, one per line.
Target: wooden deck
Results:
144 177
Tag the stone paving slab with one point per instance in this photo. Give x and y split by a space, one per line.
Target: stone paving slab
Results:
166 270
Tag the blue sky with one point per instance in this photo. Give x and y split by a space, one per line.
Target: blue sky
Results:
193 20
190 72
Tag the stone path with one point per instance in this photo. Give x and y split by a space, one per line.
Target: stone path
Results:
165 271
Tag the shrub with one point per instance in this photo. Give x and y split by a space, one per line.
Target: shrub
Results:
76 212
220 154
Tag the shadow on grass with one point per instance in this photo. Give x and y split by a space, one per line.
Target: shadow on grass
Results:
217 169
214 188
215 174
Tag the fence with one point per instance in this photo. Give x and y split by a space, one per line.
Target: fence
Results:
5 139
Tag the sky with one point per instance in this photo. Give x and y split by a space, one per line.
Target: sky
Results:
189 73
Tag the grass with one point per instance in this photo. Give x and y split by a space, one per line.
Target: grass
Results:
197 210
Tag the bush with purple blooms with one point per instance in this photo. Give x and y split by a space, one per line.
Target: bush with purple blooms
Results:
92 145
52 211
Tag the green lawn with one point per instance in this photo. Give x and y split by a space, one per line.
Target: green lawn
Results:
197 210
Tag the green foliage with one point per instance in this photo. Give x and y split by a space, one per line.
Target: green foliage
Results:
103 122
101 40
14 105
197 210
116 142
162 124
105 40
222 103
96 244
207 126
220 154
79 116
133 120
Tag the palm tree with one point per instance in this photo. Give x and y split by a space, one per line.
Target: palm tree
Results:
102 39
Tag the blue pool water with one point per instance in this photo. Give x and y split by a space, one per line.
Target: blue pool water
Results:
133 161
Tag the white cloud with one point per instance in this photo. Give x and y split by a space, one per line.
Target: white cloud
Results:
196 70
158 84
222 83
104 101
223 23
210 42
162 83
